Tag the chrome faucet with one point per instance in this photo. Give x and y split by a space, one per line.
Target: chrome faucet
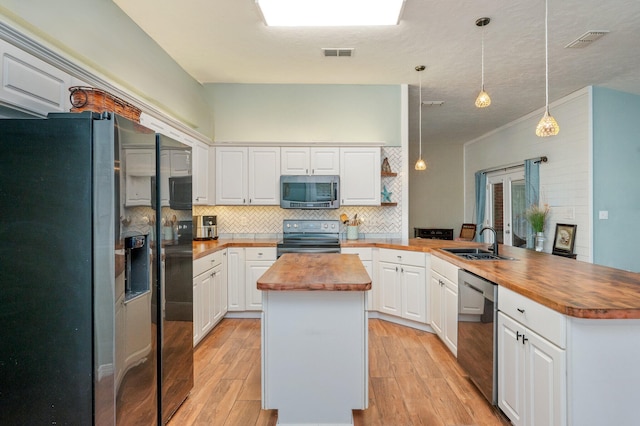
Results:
495 239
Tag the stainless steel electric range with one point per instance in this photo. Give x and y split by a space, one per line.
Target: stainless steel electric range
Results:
310 236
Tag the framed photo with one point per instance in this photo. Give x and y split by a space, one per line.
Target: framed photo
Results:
564 239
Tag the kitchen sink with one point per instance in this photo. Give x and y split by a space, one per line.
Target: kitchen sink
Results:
466 250
474 253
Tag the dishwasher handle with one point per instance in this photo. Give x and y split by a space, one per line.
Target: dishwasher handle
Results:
478 284
474 288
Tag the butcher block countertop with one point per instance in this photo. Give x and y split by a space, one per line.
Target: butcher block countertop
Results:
571 287
316 271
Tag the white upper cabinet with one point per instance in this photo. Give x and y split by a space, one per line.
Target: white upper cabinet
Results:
232 184
360 176
200 178
247 176
264 176
32 84
310 161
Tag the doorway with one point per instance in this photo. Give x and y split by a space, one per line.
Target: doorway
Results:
506 206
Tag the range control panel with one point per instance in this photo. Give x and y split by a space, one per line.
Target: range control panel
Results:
320 226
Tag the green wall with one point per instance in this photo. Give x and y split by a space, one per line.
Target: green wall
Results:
98 34
305 113
616 178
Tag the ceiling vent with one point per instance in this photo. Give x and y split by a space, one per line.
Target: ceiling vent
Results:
586 39
337 52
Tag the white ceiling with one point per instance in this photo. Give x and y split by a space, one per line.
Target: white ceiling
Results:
225 41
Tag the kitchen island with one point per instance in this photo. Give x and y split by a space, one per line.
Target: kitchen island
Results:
315 338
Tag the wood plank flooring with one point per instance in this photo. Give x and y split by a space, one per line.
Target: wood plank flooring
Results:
413 380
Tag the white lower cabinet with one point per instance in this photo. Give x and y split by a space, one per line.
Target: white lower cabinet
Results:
235 278
258 260
531 369
443 296
209 293
245 266
402 284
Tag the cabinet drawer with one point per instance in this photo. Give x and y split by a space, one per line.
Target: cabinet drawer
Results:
550 324
260 253
404 257
205 263
365 253
444 268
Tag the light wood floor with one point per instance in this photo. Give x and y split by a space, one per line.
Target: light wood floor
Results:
413 380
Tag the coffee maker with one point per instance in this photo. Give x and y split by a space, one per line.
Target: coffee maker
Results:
205 228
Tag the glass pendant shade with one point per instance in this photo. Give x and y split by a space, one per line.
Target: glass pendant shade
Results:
548 126
420 164
483 100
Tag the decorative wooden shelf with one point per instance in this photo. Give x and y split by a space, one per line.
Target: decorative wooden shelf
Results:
388 174
389 204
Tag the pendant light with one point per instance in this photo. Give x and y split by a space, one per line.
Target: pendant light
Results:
420 164
547 125
483 100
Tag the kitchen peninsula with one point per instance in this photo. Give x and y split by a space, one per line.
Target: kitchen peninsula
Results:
594 312
314 338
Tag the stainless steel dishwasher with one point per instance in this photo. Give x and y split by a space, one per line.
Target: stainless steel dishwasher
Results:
477 322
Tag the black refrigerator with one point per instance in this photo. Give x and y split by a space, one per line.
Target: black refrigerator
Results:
85 263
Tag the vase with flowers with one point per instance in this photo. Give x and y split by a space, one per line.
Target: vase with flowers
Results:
537 216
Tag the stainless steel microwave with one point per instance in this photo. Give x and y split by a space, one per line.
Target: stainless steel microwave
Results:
310 192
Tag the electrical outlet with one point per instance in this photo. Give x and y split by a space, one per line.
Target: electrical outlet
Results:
603 214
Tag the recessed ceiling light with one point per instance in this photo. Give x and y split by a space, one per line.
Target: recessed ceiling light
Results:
329 13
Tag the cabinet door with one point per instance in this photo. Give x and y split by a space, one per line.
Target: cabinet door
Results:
295 161
196 311
414 306
200 176
545 382
205 297
325 161
235 279
435 295
511 369
390 289
32 84
450 316
264 176
231 176
360 176
216 295
254 271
